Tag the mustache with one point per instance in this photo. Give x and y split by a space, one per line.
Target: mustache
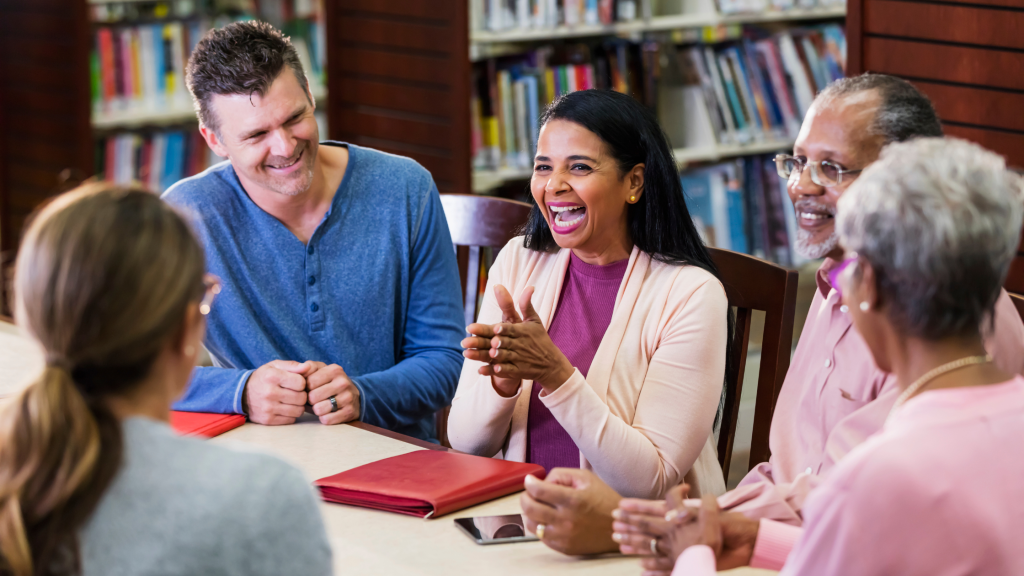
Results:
282 161
809 205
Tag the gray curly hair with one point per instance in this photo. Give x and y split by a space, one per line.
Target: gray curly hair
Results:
939 219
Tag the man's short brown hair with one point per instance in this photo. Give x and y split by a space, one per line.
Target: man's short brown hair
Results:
240 58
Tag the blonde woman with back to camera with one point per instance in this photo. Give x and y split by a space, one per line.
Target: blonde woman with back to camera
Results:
110 282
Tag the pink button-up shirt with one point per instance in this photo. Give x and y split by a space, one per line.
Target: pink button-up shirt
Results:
833 399
937 492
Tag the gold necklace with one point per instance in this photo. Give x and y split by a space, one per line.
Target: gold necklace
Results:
935 373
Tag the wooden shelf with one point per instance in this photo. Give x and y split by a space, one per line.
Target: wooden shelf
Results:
484 180
166 117
656 24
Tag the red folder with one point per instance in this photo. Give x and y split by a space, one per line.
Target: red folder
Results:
205 425
426 483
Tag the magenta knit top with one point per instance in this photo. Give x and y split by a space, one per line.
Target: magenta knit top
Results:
581 319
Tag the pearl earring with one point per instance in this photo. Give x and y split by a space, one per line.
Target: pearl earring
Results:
864 306
632 199
844 308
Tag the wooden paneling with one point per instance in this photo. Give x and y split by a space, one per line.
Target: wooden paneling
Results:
444 11
995 27
398 79
976 106
1009 144
44 95
966 55
930 61
407 98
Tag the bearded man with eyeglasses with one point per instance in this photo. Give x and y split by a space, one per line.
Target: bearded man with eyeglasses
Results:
834 396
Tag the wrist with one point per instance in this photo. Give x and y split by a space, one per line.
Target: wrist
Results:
560 375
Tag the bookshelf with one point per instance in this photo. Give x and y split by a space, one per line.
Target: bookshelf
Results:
485 180
174 115
49 124
655 24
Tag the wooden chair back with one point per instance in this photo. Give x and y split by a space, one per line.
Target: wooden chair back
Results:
476 222
1018 303
6 282
753 284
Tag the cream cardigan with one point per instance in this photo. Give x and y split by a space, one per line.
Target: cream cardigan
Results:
643 416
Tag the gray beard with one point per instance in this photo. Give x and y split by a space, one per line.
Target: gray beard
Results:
805 248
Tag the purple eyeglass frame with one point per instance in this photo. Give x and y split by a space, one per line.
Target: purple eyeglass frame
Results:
833 275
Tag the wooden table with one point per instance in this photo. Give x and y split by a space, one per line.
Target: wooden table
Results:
368 542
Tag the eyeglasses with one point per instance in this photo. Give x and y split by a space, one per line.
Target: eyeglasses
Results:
833 275
823 173
212 284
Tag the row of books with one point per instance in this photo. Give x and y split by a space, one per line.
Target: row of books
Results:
757 89
277 12
156 159
757 6
503 15
511 92
142 67
499 15
742 205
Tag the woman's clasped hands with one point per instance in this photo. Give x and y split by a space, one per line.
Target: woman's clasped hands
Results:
518 348
660 531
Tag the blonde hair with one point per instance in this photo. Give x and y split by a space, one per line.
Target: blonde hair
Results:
103 280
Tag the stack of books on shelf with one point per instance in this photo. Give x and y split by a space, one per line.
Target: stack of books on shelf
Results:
138 65
750 94
742 205
155 159
516 20
755 90
510 93
497 15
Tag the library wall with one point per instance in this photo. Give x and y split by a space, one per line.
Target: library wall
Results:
967 57
45 139
397 74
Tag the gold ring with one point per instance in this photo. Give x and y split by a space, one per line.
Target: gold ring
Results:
540 531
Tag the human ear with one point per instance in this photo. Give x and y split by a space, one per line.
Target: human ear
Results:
213 141
190 336
865 292
635 179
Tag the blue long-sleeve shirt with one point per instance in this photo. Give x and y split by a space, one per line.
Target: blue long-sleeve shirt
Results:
375 290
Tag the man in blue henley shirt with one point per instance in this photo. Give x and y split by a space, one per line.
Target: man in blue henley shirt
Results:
340 286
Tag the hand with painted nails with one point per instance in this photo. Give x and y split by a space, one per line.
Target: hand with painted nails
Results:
517 348
478 345
575 507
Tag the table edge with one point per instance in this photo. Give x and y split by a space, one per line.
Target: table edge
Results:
398 436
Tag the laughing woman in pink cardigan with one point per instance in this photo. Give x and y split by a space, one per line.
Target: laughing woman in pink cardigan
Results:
601 341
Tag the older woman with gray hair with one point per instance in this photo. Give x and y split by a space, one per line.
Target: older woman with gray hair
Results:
930 230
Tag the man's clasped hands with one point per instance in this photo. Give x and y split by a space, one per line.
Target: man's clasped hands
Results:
280 391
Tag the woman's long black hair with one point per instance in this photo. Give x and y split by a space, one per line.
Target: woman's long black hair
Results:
659 223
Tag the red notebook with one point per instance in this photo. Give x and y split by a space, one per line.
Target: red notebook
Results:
426 483
205 425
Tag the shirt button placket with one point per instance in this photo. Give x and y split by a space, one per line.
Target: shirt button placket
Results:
313 294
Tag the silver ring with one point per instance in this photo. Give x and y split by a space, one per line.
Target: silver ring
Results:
334 404
654 546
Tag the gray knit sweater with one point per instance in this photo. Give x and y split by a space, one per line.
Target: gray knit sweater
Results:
185 506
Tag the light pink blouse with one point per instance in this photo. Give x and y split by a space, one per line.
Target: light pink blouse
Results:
833 399
937 492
